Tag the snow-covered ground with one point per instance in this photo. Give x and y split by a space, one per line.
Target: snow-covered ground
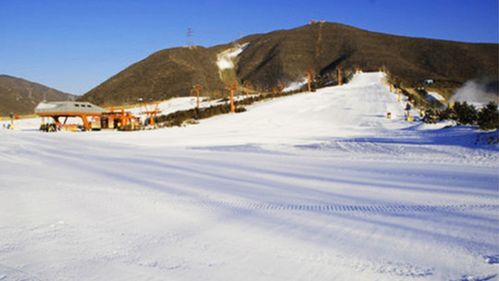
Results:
165 107
435 96
225 60
295 86
314 186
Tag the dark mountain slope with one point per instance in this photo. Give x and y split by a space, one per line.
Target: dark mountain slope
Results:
21 96
165 74
285 55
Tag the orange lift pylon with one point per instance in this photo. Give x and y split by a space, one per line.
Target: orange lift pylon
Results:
151 110
232 88
310 78
124 118
340 75
196 90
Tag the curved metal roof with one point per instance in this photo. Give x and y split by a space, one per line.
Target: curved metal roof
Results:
69 107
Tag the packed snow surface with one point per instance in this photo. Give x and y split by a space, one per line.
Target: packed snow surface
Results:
225 60
435 96
314 186
294 86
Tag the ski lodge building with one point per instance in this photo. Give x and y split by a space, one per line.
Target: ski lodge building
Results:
93 117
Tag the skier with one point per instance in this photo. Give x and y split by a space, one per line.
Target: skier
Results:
407 107
408 111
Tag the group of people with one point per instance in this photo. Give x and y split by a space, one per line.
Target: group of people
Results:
407 113
8 126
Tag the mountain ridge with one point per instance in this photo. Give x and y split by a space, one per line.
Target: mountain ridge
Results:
283 56
19 95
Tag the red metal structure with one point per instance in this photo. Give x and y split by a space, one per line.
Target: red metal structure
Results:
118 118
232 89
196 90
151 110
310 78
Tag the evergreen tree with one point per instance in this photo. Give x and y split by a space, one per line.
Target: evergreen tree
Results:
466 113
431 116
488 118
448 114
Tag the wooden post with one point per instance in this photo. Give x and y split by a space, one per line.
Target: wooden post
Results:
232 92
196 89
340 75
86 125
197 100
310 78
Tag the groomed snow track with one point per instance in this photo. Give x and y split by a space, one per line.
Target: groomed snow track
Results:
361 209
315 186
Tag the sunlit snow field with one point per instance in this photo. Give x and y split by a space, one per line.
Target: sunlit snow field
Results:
314 186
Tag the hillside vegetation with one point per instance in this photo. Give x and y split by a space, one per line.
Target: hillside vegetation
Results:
21 96
167 73
284 56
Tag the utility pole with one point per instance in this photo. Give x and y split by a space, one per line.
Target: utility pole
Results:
310 78
150 110
196 89
232 88
340 75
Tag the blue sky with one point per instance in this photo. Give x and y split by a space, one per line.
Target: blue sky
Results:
76 45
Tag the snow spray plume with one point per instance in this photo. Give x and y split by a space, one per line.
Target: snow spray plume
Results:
475 91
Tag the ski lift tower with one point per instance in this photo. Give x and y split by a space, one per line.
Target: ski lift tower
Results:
232 88
196 90
151 110
310 78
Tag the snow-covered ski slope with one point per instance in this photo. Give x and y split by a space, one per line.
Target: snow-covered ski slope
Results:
315 186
